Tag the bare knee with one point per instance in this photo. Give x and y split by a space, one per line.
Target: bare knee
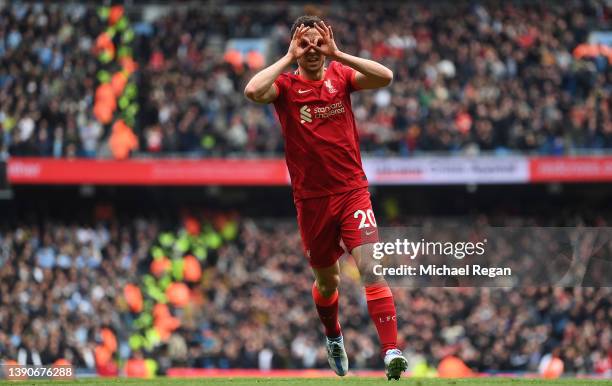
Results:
363 255
368 278
328 285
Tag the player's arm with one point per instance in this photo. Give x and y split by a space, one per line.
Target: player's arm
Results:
261 88
370 74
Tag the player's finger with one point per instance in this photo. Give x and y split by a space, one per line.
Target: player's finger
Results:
320 29
296 35
296 32
324 27
307 49
303 31
316 48
331 32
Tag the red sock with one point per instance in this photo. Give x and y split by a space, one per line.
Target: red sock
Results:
327 308
382 313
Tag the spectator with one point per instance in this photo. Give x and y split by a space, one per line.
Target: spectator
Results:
469 78
46 78
254 307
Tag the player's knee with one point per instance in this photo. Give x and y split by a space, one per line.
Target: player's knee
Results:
369 279
327 286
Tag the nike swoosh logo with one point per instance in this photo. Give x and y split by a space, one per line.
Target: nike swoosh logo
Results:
303 91
369 233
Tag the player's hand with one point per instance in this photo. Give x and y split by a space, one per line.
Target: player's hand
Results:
299 44
325 45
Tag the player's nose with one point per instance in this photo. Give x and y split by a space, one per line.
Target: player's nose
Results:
310 50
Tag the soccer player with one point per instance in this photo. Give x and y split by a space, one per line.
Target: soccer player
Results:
330 188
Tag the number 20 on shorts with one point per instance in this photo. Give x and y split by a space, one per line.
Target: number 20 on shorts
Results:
366 218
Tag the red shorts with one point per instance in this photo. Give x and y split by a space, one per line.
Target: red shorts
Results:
325 221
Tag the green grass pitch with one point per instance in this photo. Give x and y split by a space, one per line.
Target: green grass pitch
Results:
349 381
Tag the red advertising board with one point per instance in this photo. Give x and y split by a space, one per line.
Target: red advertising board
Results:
570 169
273 172
148 172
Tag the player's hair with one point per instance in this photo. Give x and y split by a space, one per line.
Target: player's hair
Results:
307 20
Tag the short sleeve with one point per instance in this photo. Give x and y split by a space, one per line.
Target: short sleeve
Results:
281 84
349 75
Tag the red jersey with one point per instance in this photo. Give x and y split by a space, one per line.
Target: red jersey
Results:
321 139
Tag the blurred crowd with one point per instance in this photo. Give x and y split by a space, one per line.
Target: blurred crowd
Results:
491 329
469 77
47 80
60 284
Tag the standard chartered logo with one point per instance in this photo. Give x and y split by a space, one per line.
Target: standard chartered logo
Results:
305 114
321 112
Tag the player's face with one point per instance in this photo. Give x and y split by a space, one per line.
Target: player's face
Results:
312 61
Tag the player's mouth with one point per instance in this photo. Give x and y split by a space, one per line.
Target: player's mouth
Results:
313 59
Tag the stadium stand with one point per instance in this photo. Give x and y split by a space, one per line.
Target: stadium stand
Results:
251 306
113 278
47 79
510 77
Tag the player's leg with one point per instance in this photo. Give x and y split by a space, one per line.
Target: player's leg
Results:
359 232
320 238
381 308
325 296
